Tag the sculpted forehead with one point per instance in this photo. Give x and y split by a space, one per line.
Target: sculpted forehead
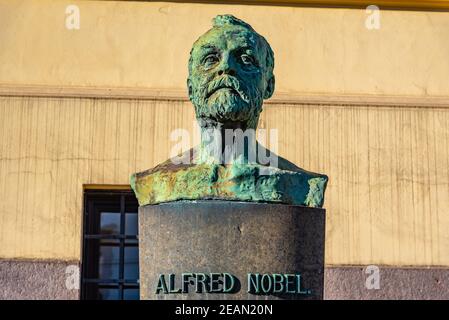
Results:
229 38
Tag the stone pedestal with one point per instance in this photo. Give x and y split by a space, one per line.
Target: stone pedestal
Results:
231 237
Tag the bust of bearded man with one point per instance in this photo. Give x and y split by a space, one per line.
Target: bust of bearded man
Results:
230 75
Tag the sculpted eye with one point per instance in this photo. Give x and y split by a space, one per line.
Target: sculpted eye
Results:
246 59
210 59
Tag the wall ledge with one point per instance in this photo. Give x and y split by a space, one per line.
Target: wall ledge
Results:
181 95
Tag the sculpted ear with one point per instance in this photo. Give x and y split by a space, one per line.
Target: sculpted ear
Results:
270 88
190 88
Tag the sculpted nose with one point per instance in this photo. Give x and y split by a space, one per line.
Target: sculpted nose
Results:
231 72
226 66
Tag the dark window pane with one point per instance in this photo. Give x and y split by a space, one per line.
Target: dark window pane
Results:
131 204
131 262
108 294
109 262
131 294
131 226
109 222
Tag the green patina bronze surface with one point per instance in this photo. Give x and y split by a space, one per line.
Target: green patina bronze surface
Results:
230 74
242 182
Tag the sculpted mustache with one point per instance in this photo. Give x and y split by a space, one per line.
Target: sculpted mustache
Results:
226 82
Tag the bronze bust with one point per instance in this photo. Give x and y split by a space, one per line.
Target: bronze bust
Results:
230 74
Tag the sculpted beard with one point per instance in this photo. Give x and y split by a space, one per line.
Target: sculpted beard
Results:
239 103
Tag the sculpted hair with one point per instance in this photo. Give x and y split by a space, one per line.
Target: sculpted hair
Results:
229 20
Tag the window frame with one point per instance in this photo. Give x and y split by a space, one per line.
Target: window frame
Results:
95 202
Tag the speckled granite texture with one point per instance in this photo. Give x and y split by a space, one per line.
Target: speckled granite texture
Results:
35 280
394 283
234 237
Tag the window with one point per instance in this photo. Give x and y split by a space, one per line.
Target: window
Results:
110 266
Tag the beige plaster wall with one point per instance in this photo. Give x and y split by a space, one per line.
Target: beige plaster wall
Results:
388 196
387 200
146 45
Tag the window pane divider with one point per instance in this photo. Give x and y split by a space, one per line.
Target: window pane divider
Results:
112 281
110 236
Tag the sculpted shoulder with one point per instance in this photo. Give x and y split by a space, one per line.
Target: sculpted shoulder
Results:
178 179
